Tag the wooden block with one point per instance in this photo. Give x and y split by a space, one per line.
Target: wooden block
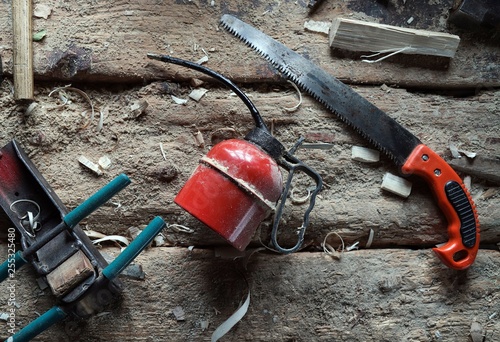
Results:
71 272
396 185
357 35
365 155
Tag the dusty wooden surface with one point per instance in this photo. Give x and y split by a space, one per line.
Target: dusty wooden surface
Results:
96 40
376 294
351 204
369 295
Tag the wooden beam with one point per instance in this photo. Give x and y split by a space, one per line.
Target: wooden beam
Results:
94 42
367 295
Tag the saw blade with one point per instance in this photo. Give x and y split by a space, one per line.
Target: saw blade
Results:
371 122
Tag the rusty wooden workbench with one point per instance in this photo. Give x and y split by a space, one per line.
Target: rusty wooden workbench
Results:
396 290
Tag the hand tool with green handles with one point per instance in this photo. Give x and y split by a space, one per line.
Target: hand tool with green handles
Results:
51 240
405 149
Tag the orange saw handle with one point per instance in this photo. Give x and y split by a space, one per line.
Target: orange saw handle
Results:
456 203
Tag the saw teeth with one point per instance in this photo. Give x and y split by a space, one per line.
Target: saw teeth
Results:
284 70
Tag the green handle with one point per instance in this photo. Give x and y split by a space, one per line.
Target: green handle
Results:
39 325
7 267
135 247
96 200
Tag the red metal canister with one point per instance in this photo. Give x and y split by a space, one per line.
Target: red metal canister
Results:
235 186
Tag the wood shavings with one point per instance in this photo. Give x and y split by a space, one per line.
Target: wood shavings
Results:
118 239
90 165
42 11
178 100
396 185
328 249
468 154
228 324
180 228
197 94
370 239
454 150
468 182
163 152
138 108
198 137
353 246
179 313
100 124
81 93
365 155
294 108
104 162
97 237
31 108
202 60
317 26
301 200
159 240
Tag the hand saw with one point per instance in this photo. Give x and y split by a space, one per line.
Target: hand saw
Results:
405 149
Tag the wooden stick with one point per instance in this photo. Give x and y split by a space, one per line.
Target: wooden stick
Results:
357 35
23 50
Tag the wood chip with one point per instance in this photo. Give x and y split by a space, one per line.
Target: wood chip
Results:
365 155
197 94
104 162
42 11
317 26
179 313
202 60
357 35
396 185
138 108
178 100
90 165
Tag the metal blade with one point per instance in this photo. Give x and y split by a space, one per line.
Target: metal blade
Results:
371 122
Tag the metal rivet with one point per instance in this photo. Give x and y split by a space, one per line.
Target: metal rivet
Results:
437 172
425 157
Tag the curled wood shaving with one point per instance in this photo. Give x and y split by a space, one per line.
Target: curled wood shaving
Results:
84 95
370 239
163 152
294 108
232 320
328 249
180 228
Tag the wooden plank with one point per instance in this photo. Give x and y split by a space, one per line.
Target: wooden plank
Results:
351 204
108 41
369 295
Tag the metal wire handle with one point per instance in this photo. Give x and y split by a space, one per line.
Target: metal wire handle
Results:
293 164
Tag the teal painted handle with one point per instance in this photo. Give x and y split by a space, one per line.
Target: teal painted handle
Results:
96 200
39 325
6 268
135 247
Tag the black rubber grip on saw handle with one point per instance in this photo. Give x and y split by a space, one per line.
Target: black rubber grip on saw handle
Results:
458 199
